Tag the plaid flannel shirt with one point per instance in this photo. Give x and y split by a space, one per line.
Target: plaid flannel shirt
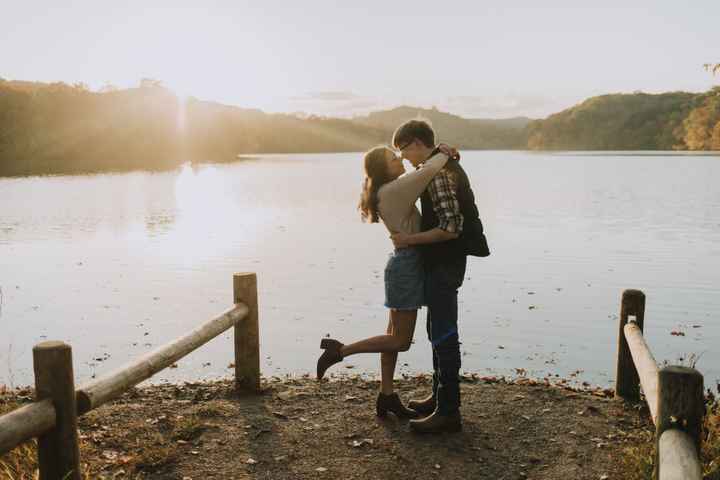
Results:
443 194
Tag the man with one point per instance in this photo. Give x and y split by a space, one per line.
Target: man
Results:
451 230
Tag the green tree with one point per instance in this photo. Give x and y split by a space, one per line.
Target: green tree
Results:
702 125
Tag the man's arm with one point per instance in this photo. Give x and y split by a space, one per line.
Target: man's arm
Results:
443 194
403 240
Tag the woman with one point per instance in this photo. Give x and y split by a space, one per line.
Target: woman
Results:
389 195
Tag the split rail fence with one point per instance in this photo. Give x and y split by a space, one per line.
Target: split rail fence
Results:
52 418
674 395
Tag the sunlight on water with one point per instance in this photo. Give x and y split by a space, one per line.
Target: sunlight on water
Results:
207 210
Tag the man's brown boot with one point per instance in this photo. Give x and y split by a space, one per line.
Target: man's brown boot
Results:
437 423
426 406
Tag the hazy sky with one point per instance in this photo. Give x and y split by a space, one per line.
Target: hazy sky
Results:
474 58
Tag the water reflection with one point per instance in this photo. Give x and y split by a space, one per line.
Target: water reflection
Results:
200 192
119 264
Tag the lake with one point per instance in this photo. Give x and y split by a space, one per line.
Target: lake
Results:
118 264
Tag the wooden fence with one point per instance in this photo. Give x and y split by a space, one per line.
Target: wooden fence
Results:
52 418
674 395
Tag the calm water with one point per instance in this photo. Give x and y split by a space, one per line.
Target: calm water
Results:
118 264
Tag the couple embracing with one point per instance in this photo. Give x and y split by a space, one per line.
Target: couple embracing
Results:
426 267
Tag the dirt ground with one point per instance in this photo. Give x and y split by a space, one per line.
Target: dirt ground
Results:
299 428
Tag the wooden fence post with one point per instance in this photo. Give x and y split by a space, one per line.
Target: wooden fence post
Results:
247 335
681 402
58 450
627 382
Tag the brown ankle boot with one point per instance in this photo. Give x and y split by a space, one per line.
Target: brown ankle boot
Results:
437 423
426 406
392 403
329 357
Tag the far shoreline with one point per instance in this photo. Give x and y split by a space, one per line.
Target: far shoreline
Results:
255 157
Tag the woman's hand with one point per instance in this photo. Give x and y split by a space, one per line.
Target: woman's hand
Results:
400 240
449 151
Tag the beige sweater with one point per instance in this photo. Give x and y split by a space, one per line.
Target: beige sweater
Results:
396 199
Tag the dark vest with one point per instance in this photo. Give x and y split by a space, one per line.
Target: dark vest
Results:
472 240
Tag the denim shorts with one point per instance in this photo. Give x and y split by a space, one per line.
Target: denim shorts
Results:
404 280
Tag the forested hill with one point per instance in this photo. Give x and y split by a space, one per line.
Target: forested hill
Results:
59 128
639 121
462 132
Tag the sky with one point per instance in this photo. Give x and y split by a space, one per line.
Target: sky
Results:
478 59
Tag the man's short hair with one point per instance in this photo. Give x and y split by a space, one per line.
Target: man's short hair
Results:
416 129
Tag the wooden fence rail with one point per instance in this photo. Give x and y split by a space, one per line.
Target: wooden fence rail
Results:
96 392
52 418
674 395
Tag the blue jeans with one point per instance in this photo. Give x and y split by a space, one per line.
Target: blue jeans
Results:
442 281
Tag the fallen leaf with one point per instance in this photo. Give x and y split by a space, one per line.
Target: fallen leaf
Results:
284 395
109 454
360 443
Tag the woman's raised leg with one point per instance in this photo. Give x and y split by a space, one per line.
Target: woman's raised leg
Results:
403 327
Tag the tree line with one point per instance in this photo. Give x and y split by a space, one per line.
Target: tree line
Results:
61 128
638 121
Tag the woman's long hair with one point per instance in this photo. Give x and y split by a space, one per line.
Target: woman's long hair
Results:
376 176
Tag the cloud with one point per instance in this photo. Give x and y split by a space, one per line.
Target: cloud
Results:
348 104
329 96
335 103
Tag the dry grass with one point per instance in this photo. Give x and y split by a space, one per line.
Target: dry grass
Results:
158 454
639 460
21 462
189 428
711 445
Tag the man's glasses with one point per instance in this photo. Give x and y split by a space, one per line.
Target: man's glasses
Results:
400 149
